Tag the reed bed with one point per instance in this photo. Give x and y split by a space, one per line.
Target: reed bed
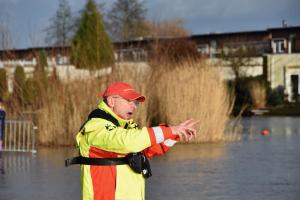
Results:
193 90
66 108
173 94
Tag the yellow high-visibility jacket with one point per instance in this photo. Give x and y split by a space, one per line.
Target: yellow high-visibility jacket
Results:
100 138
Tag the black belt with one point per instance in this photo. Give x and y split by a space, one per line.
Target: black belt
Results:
96 161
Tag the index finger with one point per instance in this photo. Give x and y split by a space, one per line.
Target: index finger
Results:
191 122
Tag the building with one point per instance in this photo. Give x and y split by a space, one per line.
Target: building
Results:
275 53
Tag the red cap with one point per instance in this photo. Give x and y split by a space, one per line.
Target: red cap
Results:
124 90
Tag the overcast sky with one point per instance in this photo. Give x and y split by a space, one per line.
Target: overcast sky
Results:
27 19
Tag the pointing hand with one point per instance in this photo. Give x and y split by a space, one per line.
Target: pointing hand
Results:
185 130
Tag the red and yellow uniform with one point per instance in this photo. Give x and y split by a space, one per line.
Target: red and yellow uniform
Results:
100 138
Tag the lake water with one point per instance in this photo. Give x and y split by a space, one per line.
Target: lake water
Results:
255 168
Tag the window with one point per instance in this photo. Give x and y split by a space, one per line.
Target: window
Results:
203 48
213 48
254 47
61 60
279 45
132 55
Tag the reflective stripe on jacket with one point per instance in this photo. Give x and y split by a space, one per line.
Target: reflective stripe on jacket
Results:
100 138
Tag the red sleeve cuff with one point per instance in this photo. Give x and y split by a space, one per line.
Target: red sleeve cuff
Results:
167 132
159 134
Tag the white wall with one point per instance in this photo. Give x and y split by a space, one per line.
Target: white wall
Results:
276 67
254 68
280 68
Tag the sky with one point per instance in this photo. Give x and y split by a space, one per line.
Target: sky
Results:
26 20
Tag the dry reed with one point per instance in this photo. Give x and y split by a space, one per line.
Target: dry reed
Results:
257 92
65 110
195 90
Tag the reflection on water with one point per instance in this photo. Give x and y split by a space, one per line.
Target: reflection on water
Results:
38 176
14 163
1 164
255 168
184 152
277 125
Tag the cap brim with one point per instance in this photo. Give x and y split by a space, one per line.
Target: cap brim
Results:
128 95
133 95
141 99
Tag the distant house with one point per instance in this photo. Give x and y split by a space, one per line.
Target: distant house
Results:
276 54
27 57
270 41
277 49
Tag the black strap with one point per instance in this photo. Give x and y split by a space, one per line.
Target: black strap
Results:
98 113
96 161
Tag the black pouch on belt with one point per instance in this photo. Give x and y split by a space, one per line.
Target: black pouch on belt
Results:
146 167
139 164
135 162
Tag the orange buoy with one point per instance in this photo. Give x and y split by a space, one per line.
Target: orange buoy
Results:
265 132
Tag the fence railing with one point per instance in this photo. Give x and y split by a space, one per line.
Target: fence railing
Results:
19 136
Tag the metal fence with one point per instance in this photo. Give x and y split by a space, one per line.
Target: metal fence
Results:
19 136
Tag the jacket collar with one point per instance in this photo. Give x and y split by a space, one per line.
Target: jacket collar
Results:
103 106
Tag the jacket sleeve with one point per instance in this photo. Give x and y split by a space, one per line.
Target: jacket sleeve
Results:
160 149
104 135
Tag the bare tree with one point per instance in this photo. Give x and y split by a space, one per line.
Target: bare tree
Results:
5 37
171 43
126 20
61 29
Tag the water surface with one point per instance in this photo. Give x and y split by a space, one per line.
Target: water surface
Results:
255 168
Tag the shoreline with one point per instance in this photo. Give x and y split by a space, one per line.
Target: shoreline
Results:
292 110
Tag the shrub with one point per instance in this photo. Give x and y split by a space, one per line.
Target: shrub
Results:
3 84
250 92
30 92
18 84
276 96
257 90
172 51
91 47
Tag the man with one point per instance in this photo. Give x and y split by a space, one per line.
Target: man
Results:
112 136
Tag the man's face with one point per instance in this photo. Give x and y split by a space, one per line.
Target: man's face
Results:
123 107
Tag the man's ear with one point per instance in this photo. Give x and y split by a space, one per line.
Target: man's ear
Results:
110 102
